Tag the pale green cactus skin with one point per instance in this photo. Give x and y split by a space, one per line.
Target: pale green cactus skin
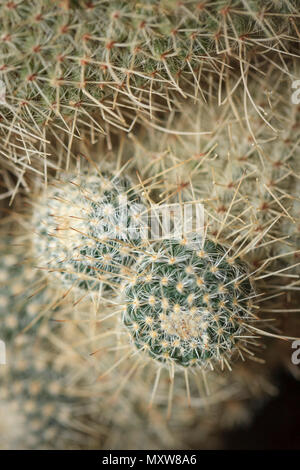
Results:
95 68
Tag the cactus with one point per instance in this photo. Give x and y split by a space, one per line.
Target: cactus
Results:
33 392
99 64
38 409
25 299
189 306
133 327
81 229
49 398
133 388
244 173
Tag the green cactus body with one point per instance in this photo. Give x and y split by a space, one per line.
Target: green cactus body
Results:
188 306
82 230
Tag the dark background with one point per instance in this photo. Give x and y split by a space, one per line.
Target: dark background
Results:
276 425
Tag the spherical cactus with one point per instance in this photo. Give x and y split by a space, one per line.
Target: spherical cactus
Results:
187 305
38 410
82 229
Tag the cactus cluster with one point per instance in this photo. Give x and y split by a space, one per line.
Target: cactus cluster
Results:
24 297
47 409
110 111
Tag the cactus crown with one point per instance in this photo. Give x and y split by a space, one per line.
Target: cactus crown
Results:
187 305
